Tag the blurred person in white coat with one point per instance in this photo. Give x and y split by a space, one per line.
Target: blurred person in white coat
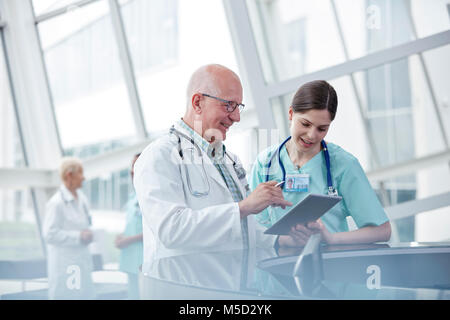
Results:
67 235
193 192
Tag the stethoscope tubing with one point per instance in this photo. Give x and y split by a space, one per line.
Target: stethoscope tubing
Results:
331 189
240 173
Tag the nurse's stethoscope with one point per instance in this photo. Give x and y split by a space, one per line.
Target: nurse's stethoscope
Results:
85 209
240 171
331 190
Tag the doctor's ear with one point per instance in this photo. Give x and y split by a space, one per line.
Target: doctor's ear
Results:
196 99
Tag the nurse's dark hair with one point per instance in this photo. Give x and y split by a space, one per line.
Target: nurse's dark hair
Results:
317 94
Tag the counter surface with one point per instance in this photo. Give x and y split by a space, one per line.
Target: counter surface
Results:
378 271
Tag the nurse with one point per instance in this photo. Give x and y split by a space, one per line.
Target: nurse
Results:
130 242
302 157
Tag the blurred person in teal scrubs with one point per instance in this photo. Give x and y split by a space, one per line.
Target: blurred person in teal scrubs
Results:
303 158
130 242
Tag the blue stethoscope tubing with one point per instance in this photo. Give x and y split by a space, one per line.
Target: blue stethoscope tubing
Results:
331 189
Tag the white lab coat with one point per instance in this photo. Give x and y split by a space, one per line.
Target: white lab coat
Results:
174 221
69 262
226 271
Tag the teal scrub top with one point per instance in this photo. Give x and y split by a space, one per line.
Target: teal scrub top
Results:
358 198
131 257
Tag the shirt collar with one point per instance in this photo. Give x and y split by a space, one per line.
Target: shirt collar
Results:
215 151
67 195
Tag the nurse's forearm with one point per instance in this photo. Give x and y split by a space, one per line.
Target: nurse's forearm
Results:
368 234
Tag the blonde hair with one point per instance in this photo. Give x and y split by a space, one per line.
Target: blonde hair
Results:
69 164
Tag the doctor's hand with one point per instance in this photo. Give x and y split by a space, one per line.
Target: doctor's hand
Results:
299 235
265 194
86 236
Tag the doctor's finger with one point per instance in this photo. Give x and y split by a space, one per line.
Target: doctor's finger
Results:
281 202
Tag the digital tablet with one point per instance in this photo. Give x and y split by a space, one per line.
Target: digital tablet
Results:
309 209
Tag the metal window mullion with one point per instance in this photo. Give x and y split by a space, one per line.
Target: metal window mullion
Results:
62 10
360 64
22 140
362 113
128 69
49 90
248 59
429 84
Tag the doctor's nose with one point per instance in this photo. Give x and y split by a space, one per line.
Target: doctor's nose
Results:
235 116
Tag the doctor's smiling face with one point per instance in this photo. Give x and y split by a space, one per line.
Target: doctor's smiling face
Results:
212 118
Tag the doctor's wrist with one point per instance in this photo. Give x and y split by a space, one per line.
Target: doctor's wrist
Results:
244 209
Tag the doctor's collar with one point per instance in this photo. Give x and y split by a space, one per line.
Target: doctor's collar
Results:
214 150
66 194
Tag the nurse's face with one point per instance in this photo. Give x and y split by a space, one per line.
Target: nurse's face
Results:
309 128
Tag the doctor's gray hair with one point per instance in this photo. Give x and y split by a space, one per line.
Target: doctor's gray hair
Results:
69 164
317 94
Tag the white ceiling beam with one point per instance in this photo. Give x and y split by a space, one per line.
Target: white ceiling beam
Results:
21 178
112 161
408 167
411 208
360 64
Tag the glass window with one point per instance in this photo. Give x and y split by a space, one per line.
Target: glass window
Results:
438 67
44 6
168 40
19 238
87 86
294 37
298 37
430 17
400 108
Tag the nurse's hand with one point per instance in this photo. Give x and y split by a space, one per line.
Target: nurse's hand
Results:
265 194
86 236
327 236
121 241
299 235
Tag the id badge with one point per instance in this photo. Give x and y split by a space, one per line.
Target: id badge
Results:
297 183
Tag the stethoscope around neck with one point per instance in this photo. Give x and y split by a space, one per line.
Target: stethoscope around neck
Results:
240 171
331 190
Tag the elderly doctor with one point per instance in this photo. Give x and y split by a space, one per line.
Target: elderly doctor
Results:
67 234
192 191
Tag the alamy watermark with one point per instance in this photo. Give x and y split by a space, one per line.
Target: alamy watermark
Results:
373 21
374 280
73 281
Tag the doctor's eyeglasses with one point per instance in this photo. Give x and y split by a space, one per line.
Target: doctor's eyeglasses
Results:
231 105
